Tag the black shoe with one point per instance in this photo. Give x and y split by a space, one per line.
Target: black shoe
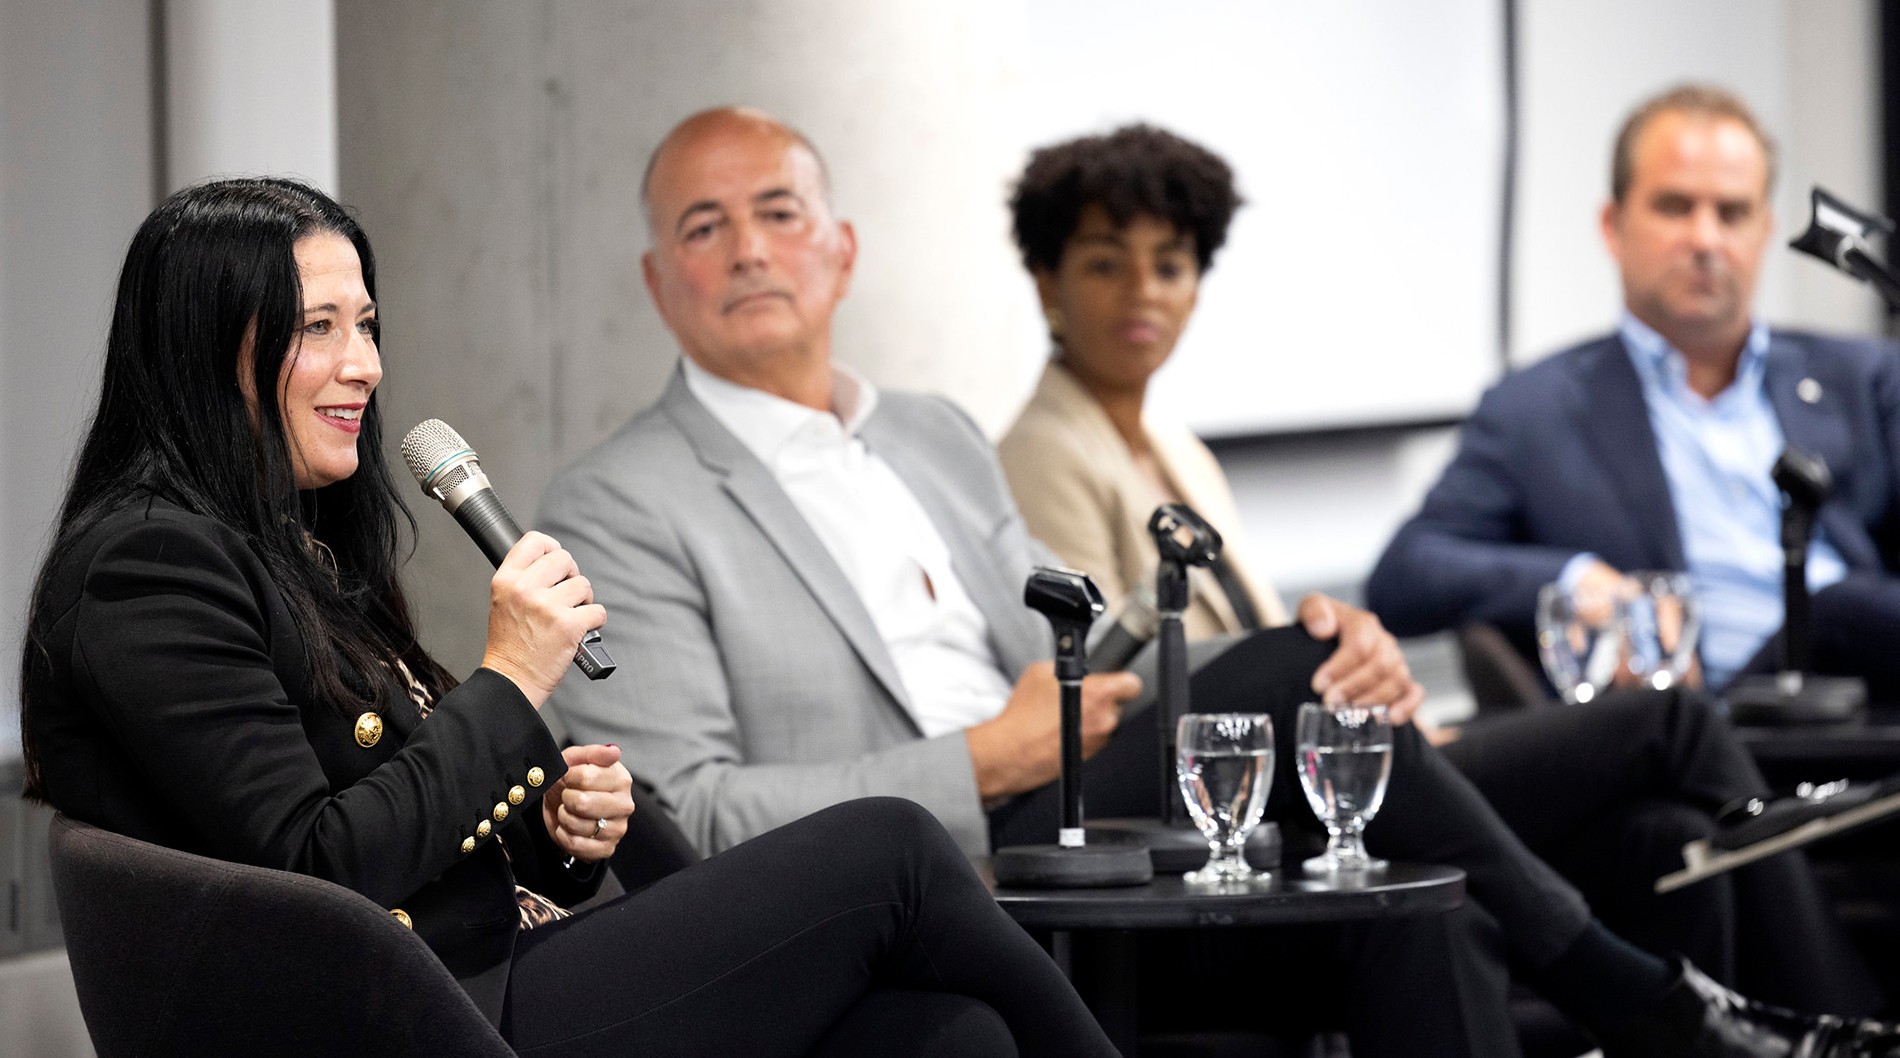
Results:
1699 1018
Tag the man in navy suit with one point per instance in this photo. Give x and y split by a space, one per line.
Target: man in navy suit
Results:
1652 448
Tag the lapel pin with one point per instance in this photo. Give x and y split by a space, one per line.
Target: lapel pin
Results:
1808 390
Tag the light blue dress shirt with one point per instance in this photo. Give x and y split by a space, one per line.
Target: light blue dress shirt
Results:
1718 456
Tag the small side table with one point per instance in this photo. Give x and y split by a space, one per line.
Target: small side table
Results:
1099 923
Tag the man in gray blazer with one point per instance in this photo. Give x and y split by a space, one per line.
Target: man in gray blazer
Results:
816 585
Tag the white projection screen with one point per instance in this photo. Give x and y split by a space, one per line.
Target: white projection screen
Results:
1359 286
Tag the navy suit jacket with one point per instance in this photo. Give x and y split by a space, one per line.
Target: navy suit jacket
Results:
1559 458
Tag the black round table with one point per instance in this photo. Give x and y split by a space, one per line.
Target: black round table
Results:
1094 928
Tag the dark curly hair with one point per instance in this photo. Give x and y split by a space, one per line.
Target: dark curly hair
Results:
1133 171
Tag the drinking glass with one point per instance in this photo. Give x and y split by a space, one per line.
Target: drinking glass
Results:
1345 757
1662 622
1580 639
1224 764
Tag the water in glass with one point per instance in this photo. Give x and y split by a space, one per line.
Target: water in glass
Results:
1224 764
1345 760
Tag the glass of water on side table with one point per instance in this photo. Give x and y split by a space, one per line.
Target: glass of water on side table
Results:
1224 763
1345 759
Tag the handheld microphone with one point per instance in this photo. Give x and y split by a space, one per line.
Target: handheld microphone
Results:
1132 627
448 470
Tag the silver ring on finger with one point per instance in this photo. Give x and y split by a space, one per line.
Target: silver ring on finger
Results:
599 825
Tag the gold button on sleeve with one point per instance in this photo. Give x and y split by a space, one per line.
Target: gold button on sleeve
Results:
536 776
483 828
501 811
516 795
402 916
468 845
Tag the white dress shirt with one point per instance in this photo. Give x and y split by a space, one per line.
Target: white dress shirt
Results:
880 537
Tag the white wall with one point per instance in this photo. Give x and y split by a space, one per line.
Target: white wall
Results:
1368 139
250 88
76 176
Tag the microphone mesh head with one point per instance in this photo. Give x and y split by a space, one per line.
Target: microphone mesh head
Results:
427 447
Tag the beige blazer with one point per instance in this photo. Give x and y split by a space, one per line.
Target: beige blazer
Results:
1081 494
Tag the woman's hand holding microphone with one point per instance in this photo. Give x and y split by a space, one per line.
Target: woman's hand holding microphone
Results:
539 606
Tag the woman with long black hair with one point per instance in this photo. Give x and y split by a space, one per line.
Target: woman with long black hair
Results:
220 658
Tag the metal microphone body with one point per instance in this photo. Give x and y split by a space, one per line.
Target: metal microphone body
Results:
1132 627
450 472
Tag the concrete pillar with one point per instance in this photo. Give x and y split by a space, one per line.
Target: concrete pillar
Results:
249 89
495 151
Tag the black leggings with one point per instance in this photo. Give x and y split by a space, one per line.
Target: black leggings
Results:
759 950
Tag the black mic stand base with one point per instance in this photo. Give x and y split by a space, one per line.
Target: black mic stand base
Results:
1072 866
1180 848
1796 698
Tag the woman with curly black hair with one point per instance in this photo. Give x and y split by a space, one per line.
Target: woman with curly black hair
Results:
1117 231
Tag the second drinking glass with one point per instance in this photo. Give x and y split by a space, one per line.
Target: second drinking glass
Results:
1224 763
1345 759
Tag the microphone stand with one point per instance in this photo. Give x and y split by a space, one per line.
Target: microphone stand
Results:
1837 233
1071 602
1184 540
1795 695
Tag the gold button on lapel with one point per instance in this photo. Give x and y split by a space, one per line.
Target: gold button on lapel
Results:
483 828
536 776
402 917
468 845
501 812
516 795
369 730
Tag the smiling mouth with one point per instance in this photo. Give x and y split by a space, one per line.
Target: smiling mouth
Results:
347 418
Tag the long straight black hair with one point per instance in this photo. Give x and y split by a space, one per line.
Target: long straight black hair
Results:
212 265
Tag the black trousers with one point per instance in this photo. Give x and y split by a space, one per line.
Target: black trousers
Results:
1854 626
760 950
1609 792
1431 814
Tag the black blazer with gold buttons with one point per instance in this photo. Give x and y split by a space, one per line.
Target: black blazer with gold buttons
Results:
174 707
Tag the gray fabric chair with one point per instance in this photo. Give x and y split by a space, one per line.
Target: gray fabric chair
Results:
177 954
